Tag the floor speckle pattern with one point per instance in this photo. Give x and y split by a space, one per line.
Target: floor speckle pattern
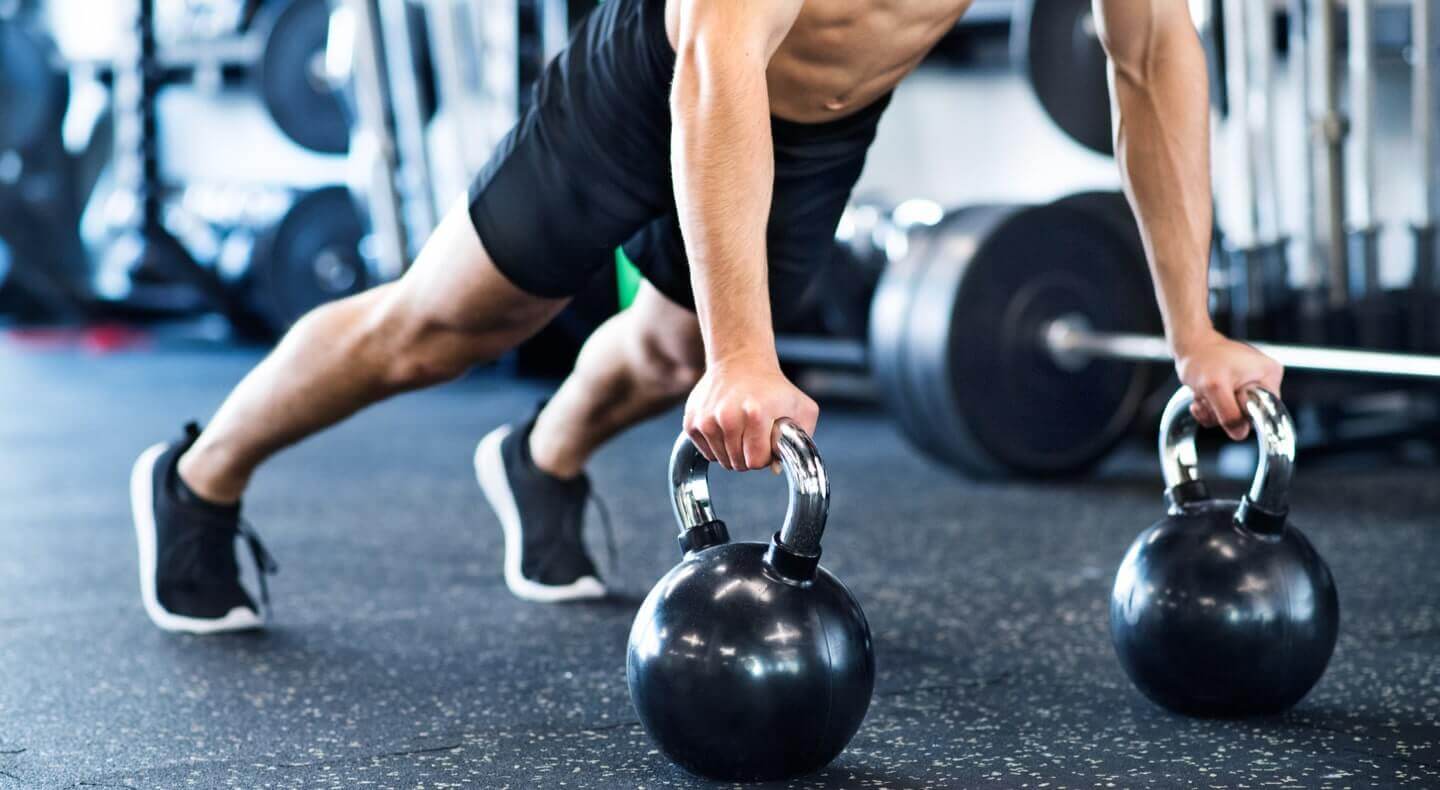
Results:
398 660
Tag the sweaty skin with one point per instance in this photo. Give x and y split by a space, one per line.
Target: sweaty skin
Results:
740 61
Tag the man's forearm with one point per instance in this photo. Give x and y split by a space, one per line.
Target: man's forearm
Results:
722 156
1162 146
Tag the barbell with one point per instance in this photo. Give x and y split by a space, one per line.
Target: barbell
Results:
1072 342
1012 340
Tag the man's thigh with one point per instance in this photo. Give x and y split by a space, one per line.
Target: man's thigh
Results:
454 283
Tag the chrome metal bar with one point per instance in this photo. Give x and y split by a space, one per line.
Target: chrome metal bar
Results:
1069 340
1299 66
1362 110
412 173
373 159
1424 24
1329 126
1274 431
1260 51
804 471
690 485
1245 233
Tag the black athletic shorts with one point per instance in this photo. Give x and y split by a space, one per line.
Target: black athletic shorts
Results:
587 169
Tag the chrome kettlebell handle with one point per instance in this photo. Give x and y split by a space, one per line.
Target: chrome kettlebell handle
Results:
1274 430
809 488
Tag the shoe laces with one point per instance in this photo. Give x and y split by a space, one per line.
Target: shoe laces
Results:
612 556
265 565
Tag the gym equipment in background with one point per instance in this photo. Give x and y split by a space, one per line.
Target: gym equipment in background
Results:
294 82
33 92
869 234
1223 608
44 272
1013 340
159 274
1252 260
749 661
1425 281
313 255
1057 46
955 328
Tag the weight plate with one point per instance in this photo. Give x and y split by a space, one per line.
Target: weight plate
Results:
1113 209
889 316
311 257
1057 45
956 339
927 355
293 84
32 93
848 281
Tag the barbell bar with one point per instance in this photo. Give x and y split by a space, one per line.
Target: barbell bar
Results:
1072 343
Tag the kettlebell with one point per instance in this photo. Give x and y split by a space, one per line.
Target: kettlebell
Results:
1223 608
750 661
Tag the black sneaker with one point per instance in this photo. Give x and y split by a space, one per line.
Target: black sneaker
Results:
542 517
189 577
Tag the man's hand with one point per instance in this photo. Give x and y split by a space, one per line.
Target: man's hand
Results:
732 411
1217 369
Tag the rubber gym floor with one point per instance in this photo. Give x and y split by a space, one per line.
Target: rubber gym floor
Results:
397 659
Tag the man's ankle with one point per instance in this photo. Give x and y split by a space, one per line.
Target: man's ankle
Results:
192 471
550 459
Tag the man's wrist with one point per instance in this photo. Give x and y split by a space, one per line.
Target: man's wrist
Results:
1186 339
748 355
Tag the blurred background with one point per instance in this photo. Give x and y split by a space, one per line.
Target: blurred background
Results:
206 171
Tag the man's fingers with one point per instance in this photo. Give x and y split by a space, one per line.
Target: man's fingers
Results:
732 427
807 416
1273 376
1202 413
756 442
1224 401
697 437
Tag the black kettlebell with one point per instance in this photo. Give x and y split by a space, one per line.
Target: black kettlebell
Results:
749 661
1223 608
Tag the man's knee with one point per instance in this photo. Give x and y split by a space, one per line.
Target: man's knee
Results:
415 348
667 358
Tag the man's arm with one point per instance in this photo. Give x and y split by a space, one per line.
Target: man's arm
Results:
723 160
1158 85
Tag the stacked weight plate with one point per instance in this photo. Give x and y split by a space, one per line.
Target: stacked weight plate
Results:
956 335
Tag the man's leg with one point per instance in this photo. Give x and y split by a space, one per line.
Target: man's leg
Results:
451 310
636 365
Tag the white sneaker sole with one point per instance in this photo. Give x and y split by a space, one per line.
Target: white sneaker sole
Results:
490 473
142 508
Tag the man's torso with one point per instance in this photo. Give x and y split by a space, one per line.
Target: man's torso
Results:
842 55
